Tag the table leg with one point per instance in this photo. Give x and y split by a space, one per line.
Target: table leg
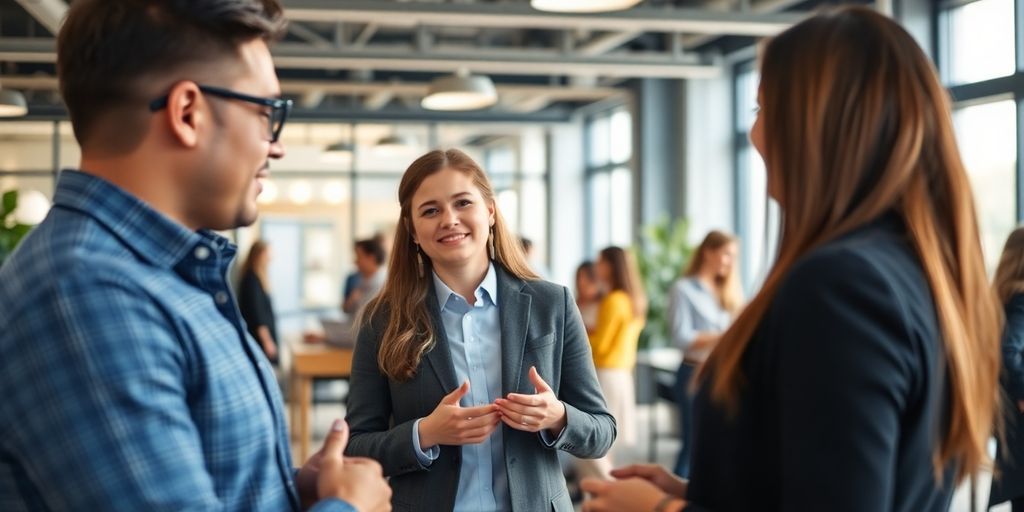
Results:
305 397
293 405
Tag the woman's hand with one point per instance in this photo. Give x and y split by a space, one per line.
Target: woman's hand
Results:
451 424
655 474
533 413
631 495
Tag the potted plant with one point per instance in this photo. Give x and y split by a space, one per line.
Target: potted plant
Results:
661 255
18 217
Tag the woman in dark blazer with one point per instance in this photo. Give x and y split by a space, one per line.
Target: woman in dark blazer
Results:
469 372
1008 483
864 374
254 300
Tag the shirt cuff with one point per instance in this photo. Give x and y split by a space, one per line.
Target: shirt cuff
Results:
332 505
426 458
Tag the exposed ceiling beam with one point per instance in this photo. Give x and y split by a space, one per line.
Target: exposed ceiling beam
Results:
378 100
309 35
525 103
521 15
49 13
607 42
553 114
312 98
763 7
303 87
495 62
365 35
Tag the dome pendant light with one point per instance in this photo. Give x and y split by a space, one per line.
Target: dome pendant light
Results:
461 91
581 6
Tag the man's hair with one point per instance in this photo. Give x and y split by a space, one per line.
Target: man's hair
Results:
372 247
108 49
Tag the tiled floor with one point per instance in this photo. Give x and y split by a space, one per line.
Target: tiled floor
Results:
325 413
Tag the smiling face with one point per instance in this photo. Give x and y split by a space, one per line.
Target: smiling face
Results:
451 220
233 159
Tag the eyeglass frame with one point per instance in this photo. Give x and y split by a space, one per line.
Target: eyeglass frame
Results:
279 106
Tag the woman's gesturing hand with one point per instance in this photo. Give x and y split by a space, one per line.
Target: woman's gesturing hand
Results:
533 413
454 425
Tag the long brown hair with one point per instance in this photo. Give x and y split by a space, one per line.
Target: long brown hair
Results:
857 124
258 249
1009 278
410 330
727 288
625 277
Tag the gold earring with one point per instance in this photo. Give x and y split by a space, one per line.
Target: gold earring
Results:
419 261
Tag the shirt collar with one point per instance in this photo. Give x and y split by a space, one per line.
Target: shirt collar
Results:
152 235
486 291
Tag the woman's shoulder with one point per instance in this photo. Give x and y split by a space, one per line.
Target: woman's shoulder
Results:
871 276
876 254
618 298
545 294
685 283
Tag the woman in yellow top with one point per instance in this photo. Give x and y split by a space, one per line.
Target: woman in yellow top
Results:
620 318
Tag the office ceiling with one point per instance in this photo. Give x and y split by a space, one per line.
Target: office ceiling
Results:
374 59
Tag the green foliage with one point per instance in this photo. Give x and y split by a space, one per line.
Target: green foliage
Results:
11 232
661 256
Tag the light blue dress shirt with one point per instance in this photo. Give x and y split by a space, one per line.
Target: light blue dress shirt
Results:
692 309
474 339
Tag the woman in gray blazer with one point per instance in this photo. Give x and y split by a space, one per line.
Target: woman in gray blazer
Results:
470 372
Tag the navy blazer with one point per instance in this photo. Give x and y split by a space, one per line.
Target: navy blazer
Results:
843 394
1009 480
540 326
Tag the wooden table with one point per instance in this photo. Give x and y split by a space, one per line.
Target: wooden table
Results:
310 362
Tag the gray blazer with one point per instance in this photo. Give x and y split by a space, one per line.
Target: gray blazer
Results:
540 326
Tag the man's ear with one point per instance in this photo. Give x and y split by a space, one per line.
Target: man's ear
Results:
184 113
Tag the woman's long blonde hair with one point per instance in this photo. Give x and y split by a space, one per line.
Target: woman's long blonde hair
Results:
1009 279
409 331
727 288
857 124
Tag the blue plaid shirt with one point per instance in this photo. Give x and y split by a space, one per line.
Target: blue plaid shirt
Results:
127 379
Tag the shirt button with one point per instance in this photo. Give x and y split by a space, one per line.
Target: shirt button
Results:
221 298
202 253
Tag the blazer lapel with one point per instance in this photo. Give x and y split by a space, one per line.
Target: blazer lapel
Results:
440 357
514 312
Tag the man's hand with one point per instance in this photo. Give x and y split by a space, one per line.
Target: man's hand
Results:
631 495
655 474
328 473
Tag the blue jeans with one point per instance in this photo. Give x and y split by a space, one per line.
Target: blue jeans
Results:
685 401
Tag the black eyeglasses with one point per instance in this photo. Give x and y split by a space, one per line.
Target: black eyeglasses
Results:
279 108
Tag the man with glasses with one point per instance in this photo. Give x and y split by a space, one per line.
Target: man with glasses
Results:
127 376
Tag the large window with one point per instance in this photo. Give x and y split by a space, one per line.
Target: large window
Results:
757 215
609 180
979 54
987 136
977 40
